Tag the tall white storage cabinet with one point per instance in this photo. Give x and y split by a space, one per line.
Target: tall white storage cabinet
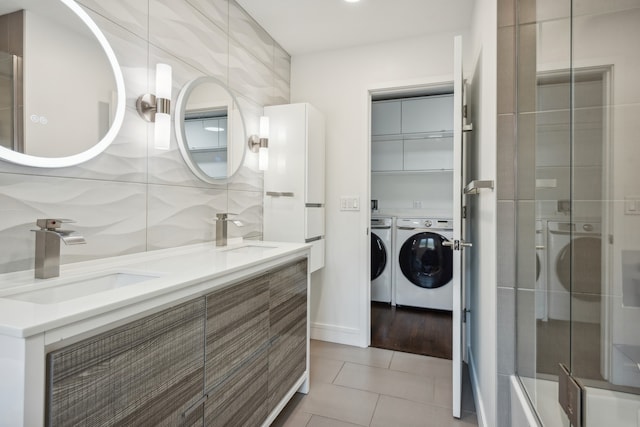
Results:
294 182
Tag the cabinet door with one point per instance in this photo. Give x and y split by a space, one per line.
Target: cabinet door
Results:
222 133
237 354
315 156
385 118
148 372
198 138
428 114
287 329
386 155
428 153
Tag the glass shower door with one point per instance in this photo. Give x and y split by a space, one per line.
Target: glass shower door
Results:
605 37
578 201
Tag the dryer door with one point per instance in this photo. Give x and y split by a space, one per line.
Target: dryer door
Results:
425 262
378 256
584 282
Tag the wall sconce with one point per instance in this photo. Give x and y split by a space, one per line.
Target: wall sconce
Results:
157 108
260 144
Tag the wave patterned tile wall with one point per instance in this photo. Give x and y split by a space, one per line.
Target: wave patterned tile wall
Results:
132 197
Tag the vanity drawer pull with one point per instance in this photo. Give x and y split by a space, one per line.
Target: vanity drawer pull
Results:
280 193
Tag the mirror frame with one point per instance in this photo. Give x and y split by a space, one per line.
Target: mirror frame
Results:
59 162
180 132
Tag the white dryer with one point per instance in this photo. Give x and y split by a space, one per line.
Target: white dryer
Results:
574 270
423 265
381 265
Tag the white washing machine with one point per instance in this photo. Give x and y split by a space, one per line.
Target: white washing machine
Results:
423 266
381 265
574 265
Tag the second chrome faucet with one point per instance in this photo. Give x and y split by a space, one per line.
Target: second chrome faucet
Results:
221 227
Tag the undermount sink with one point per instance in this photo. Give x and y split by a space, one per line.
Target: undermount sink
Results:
249 249
77 288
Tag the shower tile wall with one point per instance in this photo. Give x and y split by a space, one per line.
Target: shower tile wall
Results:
132 197
506 209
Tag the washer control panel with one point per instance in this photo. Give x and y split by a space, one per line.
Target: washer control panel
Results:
431 223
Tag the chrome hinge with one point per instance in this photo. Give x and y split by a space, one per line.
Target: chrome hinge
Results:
464 111
464 315
464 212
467 127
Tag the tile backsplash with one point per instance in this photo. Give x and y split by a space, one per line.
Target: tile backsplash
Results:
132 197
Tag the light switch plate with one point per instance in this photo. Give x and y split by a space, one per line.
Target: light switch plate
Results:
547 183
632 205
349 203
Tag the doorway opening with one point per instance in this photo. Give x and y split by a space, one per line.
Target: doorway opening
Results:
411 187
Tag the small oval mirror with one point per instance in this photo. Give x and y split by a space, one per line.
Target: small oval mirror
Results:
210 129
63 99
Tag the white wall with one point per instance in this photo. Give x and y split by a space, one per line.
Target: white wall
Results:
338 84
416 194
482 211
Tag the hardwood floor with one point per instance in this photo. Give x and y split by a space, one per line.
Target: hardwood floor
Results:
411 330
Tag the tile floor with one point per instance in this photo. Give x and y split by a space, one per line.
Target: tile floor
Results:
352 386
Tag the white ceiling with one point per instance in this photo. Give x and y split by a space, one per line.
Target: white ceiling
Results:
305 26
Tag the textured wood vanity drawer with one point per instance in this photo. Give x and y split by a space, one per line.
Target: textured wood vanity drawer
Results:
147 372
237 350
287 329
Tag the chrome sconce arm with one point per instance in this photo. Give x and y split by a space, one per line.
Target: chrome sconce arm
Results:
157 108
260 144
148 106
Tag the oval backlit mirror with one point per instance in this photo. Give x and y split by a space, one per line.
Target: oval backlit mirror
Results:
62 100
210 129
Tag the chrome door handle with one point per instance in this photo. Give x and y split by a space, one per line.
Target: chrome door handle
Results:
457 244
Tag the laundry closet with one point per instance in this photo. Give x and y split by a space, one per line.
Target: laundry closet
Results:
411 220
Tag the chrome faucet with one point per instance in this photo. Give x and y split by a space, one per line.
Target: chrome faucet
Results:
47 262
221 227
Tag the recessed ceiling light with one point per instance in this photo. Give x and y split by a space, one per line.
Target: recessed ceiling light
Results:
352 1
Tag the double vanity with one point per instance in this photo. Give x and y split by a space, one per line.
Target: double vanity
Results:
195 335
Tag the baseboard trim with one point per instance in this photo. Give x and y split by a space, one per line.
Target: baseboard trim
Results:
336 334
477 397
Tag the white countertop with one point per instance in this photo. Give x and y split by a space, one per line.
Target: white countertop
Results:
179 271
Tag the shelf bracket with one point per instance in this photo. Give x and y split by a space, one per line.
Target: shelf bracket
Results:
475 186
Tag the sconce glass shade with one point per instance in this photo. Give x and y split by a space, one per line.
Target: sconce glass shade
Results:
163 81
162 132
263 158
264 127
